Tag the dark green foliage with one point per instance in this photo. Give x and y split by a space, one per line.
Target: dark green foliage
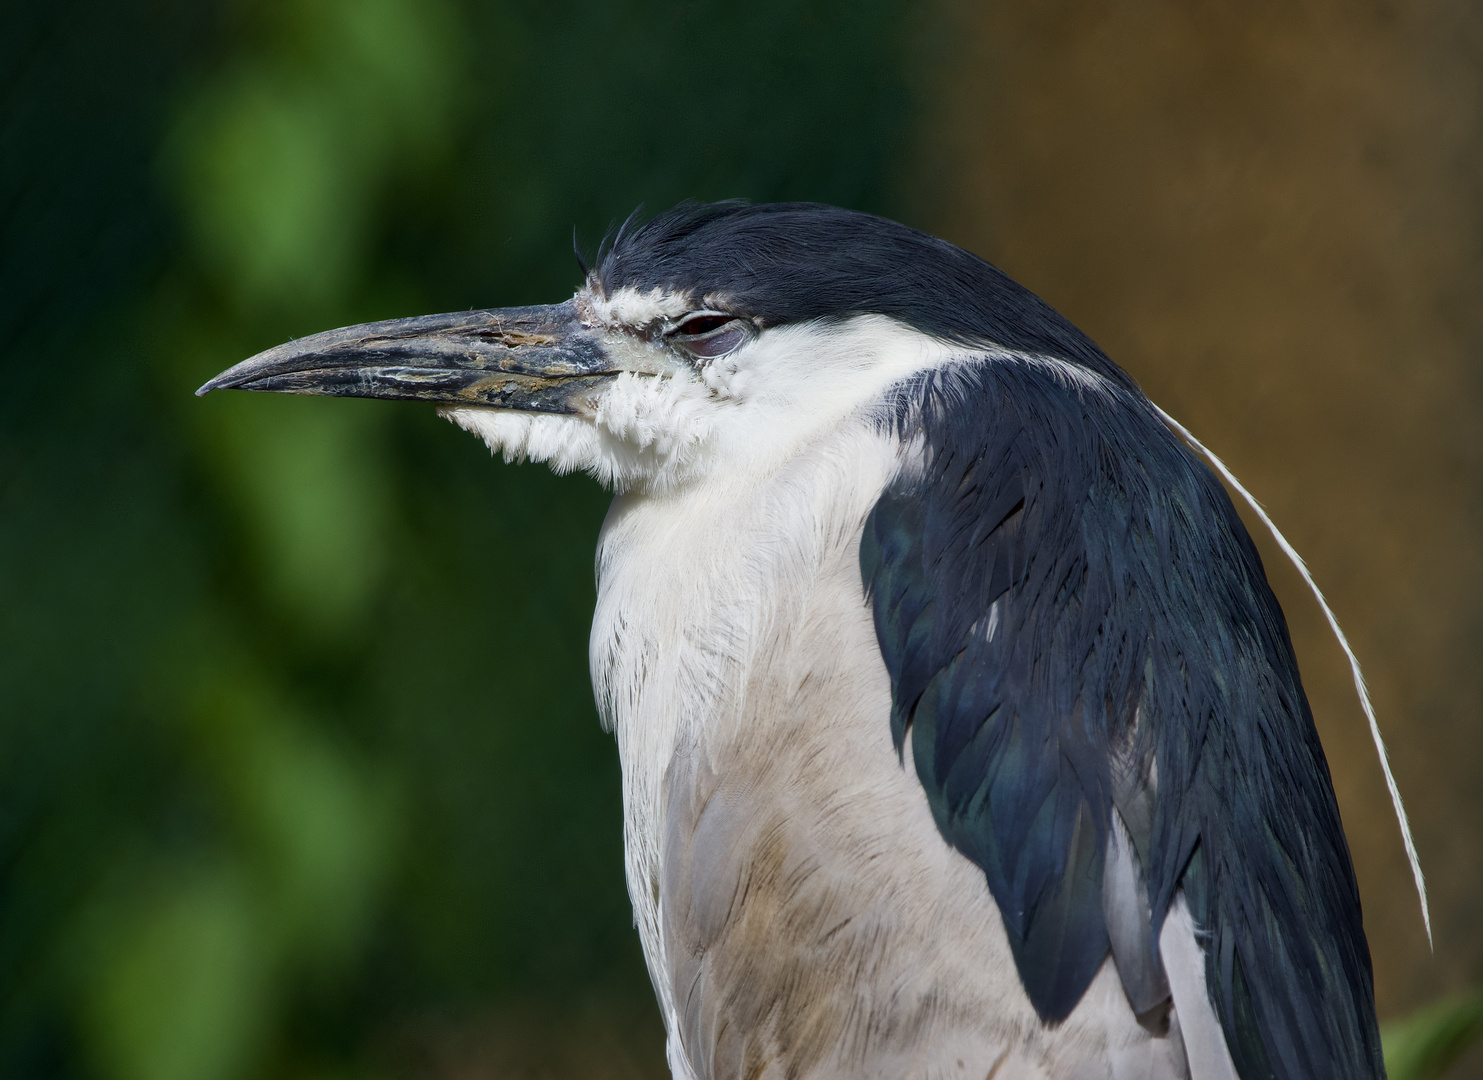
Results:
1429 1042
296 739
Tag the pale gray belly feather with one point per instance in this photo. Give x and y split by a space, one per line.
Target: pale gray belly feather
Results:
817 925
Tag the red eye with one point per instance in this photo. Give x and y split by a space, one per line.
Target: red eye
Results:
702 324
709 334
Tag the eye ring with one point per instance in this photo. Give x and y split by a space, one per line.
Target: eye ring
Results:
709 335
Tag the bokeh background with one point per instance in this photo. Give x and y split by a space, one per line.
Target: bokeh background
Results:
300 774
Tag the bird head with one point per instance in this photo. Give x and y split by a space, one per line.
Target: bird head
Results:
714 339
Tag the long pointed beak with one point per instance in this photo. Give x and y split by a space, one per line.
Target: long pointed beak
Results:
535 359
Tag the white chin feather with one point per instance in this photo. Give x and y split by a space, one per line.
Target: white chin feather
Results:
647 432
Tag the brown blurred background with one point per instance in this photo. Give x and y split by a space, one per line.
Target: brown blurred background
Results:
1269 213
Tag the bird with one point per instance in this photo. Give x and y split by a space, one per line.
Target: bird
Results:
961 733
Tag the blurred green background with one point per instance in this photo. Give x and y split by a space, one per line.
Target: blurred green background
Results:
300 774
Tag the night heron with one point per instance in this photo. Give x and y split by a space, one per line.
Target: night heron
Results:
961 733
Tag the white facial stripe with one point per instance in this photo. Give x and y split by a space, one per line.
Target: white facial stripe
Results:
740 417
630 307
737 419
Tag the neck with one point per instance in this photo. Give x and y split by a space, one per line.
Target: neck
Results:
706 597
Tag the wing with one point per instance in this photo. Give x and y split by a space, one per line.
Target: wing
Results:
1105 709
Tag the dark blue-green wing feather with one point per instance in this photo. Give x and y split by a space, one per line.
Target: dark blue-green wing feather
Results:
1080 637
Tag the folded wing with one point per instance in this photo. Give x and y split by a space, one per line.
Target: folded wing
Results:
1105 709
